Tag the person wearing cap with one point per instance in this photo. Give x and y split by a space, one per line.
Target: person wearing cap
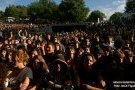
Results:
60 77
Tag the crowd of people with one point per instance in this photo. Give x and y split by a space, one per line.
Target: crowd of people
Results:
75 60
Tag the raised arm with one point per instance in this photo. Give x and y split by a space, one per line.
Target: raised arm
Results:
19 33
26 33
24 84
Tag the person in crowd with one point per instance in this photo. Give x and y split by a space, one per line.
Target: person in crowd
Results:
21 76
24 34
50 55
49 38
57 48
70 57
95 57
57 40
60 75
40 71
90 79
3 55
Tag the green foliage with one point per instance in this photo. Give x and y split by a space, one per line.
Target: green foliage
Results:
1 14
130 6
73 10
46 11
42 10
93 17
115 17
16 11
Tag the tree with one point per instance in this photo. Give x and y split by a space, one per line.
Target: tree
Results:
42 10
130 6
129 14
16 11
11 11
73 10
22 10
1 14
115 18
93 17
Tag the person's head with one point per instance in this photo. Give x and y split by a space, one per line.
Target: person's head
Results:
29 41
120 56
57 67
87 49
3 52
39 63
34 53
16 42
60 66
5 41
36 36
20 57
49 36
72 50
50 48
76 39
56 39
127 43
57 46
129 54
88 61
38 44
81 51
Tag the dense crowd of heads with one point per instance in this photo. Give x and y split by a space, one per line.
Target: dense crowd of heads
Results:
75 60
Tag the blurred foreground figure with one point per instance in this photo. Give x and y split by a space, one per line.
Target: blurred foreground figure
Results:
20 76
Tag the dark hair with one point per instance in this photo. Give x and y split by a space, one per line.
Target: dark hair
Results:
85 57
3 72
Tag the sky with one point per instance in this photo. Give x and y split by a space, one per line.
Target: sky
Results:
106 6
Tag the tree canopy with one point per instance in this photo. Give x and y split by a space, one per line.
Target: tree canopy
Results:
130 6
16 11
115 17
44 10
48 11
1 14
93 17
73 10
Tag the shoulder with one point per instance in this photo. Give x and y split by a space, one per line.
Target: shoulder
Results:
28 72
27 69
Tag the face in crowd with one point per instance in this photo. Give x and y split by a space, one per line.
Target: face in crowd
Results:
89 61
57 67
50 48
20 58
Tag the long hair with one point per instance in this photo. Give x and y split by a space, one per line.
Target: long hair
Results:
21 55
